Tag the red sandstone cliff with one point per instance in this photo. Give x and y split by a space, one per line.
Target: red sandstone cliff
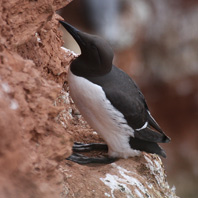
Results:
38 120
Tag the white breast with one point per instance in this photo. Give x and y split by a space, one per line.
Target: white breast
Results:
91 101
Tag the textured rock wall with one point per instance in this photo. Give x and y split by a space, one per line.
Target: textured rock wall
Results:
32 142
38 119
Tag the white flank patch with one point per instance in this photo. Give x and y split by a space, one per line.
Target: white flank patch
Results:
122 183
102 116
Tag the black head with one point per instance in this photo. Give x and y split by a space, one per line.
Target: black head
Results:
96 54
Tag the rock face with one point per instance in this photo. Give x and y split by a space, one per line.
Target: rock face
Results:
38 120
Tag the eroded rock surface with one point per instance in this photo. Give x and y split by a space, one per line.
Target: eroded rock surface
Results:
38 120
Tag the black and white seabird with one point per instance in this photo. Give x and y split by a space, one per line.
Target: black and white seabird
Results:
111 103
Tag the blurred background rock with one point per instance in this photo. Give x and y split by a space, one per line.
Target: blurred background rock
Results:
155 42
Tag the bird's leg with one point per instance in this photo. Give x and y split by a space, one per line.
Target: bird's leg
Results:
81 159
81 147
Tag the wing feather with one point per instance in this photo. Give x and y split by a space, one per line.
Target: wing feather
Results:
126 97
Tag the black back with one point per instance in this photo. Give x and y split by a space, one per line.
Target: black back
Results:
124 95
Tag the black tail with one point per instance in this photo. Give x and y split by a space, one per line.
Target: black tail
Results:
149 147
148 134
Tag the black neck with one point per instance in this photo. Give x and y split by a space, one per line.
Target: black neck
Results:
81 67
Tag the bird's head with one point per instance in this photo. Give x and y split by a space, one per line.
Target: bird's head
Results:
96 53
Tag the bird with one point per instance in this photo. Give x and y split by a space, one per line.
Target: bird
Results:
111 103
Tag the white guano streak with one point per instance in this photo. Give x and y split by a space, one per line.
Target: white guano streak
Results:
114 182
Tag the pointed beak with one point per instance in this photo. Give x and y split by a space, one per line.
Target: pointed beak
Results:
74 32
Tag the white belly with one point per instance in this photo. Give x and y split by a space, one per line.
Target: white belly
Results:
91 101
